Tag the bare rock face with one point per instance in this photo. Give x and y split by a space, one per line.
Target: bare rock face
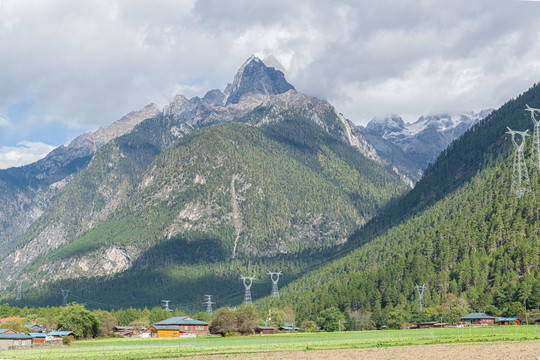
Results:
103 262
254 77
25 199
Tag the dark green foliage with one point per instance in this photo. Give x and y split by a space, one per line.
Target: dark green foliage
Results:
330 319
469 237
82 322
228 322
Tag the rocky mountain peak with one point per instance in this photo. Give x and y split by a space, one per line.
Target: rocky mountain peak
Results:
383 125
254 77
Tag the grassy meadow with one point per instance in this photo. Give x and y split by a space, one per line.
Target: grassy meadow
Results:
173 348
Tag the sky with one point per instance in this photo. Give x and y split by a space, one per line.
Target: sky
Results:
67 66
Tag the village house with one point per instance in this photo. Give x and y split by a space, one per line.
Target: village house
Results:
508 321
58 335
129 331
179 326
264 330
478 319
288 328
537 322
38 337
7 331
35 328
14 340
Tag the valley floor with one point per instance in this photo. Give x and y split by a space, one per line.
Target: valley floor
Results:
486 342
471 351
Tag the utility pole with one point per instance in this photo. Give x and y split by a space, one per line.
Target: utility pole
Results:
208 304
248 281
65 294
19 290
275 293
520 177
420 290
536 136
165 303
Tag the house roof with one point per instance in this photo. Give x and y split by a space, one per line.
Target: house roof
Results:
507 319
60 333
38 335
265 327
35 327
286 327
167 327
181 320
472 316
15 336
5 330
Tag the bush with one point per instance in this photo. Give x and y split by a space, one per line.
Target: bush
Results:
66 340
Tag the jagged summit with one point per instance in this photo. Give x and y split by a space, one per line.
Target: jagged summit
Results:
254 77
380 125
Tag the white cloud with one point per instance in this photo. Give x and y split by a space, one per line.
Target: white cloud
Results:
5 123
25 152
88 63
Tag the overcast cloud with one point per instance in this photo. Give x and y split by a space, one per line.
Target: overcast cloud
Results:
70 66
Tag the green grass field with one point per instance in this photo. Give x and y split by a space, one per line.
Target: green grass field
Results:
172 348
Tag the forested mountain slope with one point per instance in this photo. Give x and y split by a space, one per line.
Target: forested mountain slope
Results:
460 231
268 190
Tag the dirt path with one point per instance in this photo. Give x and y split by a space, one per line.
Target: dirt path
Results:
526 350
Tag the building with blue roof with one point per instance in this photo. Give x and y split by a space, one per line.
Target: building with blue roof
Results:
478 319
179 326
14 340
508 321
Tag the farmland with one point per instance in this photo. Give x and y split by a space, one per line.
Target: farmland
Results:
241 347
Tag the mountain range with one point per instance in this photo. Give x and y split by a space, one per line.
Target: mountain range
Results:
258 171
411 147
181 201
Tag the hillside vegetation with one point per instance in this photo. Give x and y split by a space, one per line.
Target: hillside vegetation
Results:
460 231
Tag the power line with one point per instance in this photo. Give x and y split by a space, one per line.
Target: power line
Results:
420 290
65 294
208 304
165 303
536 136
520 177
275 292
248 281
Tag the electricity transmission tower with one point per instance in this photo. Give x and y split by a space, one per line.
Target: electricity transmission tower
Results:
208 303
165 303
520 176
19 290
536 136
65 294
275 292
420 296
247 284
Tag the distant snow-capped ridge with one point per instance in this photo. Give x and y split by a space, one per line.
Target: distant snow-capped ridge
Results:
412 146
393 126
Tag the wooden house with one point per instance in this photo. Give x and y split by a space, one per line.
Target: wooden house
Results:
426 324
508 321
38 337
264 330
478 319
179 326
59 335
